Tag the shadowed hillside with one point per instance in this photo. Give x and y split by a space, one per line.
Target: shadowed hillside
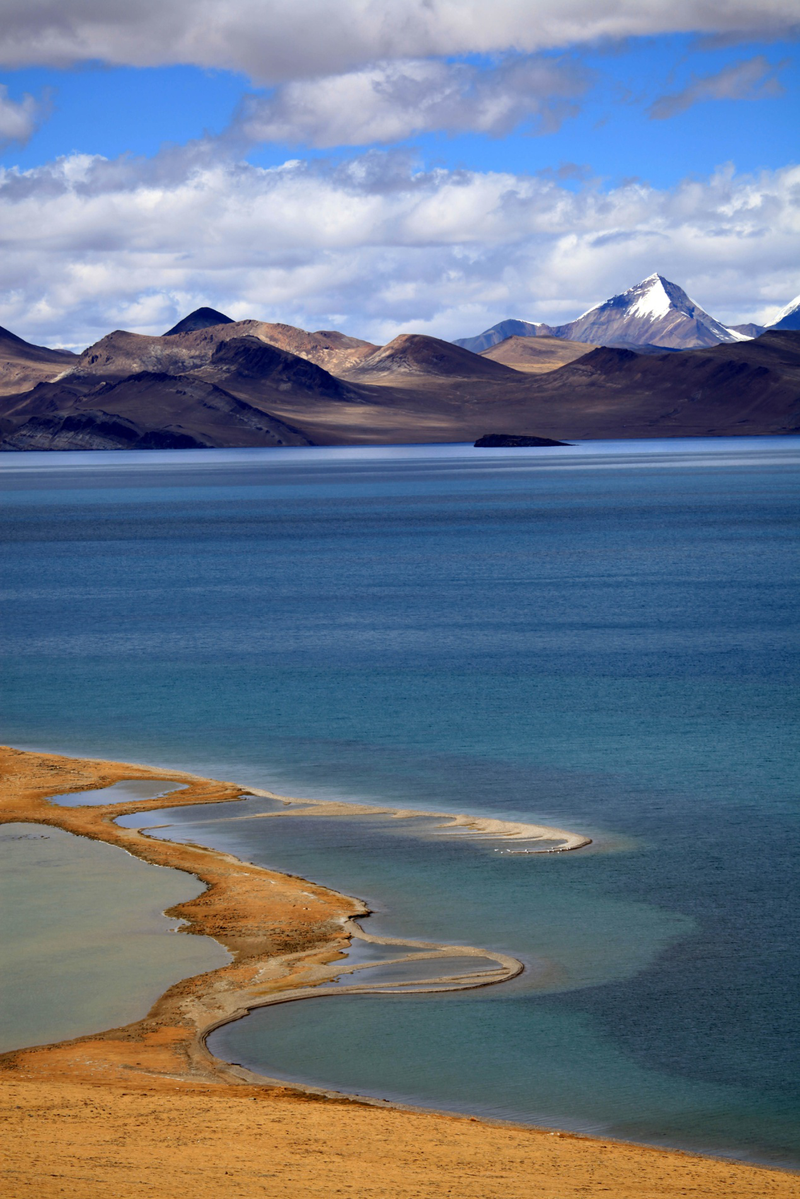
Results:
421 357
229 384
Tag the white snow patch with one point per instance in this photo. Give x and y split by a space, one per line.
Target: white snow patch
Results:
736 335
792 306
653 302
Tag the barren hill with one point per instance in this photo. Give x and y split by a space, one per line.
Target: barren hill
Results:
536 355
416 356
201 318
260 368
229 385
744 387
147 410
23 365
336 352
121 353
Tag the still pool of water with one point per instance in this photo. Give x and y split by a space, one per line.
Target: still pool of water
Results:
84 943
126 790
601 637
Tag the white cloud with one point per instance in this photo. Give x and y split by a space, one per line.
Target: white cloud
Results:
18 118
275 40
90 245
392 101
752 79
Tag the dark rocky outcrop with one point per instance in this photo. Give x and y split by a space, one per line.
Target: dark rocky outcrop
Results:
201 318
492 441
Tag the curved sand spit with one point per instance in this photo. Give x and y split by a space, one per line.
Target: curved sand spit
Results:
147 1107
288 938
480 826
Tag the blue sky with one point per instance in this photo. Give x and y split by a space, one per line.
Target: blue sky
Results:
114 111
436 191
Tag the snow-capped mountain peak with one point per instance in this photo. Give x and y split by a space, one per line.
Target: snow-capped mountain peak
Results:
654 312
788 317
653 300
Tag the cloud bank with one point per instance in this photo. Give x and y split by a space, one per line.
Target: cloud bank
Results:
392 101
374 246
278 40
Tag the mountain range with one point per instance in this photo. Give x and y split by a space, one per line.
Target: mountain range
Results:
210 381
652 315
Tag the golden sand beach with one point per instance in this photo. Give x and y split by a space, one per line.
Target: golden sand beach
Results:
147 1109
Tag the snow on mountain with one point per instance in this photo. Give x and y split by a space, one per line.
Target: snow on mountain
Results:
654 302
750 329
788 317
654 312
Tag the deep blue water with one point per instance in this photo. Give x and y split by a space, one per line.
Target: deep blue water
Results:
603 638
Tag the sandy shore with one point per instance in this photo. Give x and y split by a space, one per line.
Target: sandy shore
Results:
147 1106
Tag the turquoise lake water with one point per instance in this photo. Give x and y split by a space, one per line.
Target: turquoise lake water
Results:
603 638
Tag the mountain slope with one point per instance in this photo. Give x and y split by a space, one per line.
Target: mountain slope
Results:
335 352
418 356
749 329
751 387
262 368
654 312
789 317
23 365
500 332
536 354
120 353
148 410
201 318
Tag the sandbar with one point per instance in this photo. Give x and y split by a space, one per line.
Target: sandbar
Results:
148 1109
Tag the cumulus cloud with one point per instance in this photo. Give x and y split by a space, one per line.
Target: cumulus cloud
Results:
18 118
392 101
373 246
278 40
751 79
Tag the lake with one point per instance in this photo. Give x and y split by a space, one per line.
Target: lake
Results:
601 637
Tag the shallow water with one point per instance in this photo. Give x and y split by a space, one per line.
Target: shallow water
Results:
128 789
602 638
84 944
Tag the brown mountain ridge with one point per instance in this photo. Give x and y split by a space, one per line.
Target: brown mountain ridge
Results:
253 383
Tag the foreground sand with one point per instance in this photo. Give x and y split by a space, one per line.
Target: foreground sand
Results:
146 1109
200 1142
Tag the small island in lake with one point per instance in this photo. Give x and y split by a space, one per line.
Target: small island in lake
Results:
493 441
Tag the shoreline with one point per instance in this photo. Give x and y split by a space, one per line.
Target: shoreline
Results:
308 944
287 938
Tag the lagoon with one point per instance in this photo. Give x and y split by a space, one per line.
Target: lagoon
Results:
84 943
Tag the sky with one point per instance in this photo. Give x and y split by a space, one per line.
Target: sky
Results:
380 166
